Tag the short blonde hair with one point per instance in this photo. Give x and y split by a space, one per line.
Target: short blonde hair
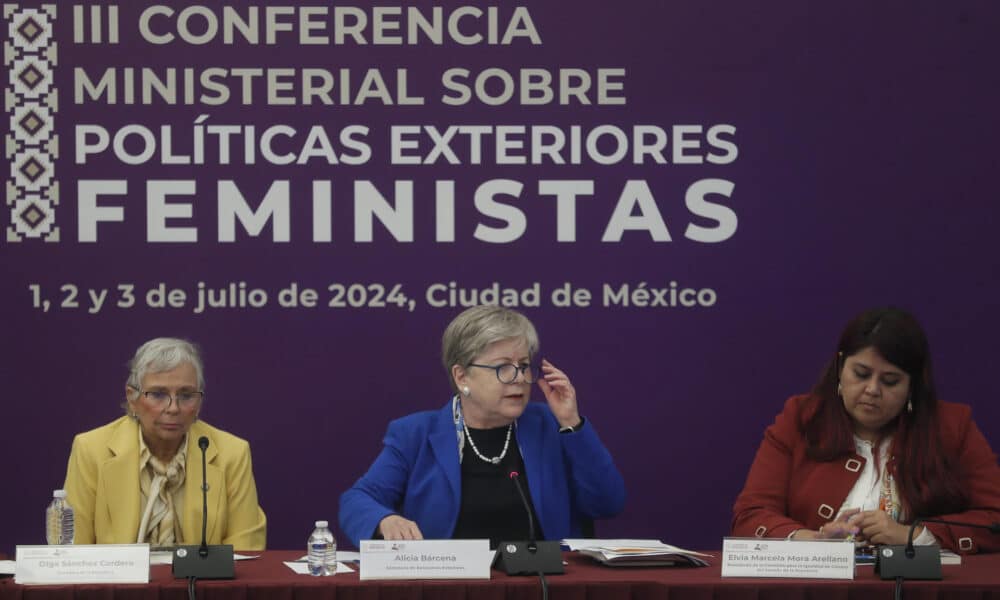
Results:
475 328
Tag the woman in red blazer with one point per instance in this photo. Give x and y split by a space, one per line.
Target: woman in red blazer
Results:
872 448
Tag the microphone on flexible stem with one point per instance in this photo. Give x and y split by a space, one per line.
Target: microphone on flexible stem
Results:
204 561
532 557
906 561
910 550
532 538
203 551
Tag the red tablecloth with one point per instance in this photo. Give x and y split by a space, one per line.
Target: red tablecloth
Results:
266 577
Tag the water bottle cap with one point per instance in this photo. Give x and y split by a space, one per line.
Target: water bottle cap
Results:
58 493
322 524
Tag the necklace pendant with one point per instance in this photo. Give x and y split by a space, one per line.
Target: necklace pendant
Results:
495 460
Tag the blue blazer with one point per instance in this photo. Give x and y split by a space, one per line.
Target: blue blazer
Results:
571 476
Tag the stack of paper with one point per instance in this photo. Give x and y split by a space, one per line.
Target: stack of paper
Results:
637 553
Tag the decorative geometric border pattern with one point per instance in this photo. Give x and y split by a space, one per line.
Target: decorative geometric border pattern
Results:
31 101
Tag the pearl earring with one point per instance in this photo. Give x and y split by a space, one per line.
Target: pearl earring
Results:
465 390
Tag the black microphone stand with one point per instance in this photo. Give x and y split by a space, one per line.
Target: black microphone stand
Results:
531 557
204 561
906 561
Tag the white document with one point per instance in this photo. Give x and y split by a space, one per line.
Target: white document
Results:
6 567
103 563
426 559
576 544
301 567
800 559
348 556
637 553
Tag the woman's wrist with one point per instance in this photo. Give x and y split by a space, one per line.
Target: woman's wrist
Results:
577 425
803 534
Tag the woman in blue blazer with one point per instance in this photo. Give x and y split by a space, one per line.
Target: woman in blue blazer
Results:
447 473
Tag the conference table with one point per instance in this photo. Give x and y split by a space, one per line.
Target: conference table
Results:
266 577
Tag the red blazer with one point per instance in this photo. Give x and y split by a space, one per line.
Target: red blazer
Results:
785 490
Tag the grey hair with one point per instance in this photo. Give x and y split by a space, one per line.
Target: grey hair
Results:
163 354
475 328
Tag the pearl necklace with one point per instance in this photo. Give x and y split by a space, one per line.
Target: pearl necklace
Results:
496 459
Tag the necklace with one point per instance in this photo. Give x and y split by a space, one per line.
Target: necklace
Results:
496 459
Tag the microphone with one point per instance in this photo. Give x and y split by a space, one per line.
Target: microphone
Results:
203 551
531 557
532 538
906 561
204 561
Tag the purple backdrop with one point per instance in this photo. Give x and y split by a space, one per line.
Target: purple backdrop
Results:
866 136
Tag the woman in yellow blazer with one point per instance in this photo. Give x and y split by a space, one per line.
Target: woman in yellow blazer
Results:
138 478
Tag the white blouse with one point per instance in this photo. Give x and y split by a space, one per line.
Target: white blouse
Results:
876 489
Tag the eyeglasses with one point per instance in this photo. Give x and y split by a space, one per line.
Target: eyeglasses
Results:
184 398
507 372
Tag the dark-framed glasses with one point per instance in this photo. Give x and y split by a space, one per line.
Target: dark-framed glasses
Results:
183 398
507 372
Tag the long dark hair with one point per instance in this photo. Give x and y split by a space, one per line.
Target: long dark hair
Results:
927 477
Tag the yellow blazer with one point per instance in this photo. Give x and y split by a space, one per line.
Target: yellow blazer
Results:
102 486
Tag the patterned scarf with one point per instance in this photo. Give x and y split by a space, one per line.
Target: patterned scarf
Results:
159 483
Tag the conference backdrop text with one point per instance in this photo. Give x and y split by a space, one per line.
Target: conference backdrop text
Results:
688 199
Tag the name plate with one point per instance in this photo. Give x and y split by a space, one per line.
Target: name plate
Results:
425 559
807 559
106 563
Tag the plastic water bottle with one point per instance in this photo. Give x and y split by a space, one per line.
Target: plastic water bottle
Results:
322 548
59 520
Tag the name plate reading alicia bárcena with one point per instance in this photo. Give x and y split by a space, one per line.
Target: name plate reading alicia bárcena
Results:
425 559
90 563
805 559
